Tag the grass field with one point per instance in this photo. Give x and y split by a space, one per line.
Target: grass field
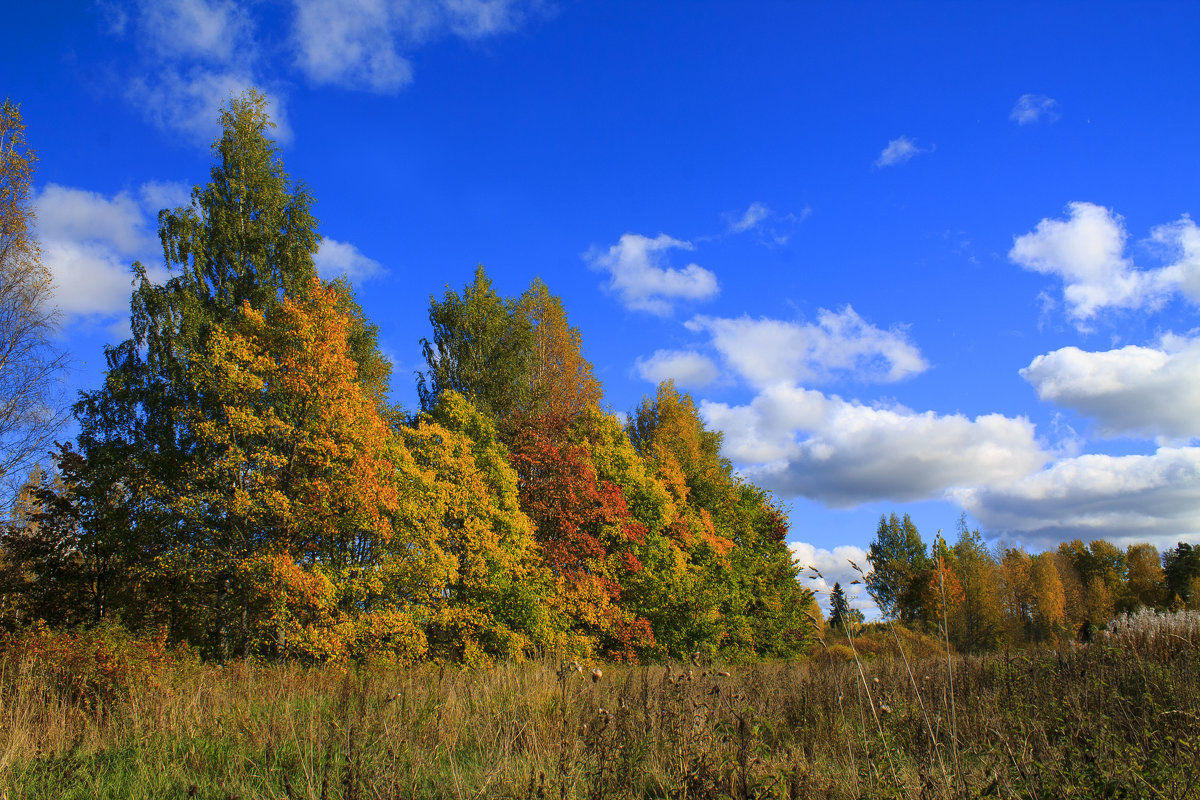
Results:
91 716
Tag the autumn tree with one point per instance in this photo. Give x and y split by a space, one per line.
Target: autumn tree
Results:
486 590
562 382
291 490
241 247
31 364
1145 583
1016 592
733 534
1048 609
1101 568
977 622
588 539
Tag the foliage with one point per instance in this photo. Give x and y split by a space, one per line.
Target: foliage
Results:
899 564
482 348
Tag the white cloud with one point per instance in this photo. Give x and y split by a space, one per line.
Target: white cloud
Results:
195 55
834 567
1140 391
177 30
357 43
753 215
189 100
640 277
1087 251
898 151
1181 241
686 368
349 44
801 442
766 351
157 195
1032 108
1125 499
336 259
89 242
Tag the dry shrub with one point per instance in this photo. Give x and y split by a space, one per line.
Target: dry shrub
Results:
90 667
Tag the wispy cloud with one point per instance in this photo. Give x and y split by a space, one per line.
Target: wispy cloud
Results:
899 151
360 44
1031 108
750 218
191 55
639 275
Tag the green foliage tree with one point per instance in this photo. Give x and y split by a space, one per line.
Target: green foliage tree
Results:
839 607
482 348
1181 570
899 563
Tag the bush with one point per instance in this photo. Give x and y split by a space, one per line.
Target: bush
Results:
93 667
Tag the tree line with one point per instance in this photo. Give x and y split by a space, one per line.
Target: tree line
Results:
987 598
242 481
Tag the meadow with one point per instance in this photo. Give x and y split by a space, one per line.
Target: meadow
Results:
99 714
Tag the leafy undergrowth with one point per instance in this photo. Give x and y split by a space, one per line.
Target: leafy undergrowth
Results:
1117 718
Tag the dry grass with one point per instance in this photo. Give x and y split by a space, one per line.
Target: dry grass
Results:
1119 718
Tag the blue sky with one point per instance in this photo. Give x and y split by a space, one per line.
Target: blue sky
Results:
914 257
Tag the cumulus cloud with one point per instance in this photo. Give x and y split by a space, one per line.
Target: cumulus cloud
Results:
89 241
898 151
640 277
358 44
1087 252
1139 391
685 367
337 259
802 443
766 351
834 567
1031 108
1125 499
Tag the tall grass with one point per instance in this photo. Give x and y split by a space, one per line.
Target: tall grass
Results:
1117 718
